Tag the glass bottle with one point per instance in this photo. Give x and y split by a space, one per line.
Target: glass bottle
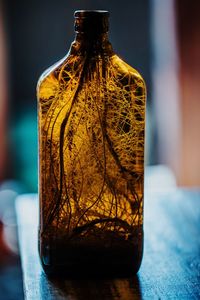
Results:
91 115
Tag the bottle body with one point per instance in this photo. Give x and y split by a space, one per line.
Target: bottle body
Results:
91 114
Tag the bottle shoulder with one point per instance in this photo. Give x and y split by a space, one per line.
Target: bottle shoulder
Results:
126 70
71 67
128 78
47 78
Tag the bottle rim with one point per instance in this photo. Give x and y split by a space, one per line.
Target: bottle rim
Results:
91 13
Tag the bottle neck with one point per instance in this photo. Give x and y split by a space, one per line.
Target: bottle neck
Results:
91 44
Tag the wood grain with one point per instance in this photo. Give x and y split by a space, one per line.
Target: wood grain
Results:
171 262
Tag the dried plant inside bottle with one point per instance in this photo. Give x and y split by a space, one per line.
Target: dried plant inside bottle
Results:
91 109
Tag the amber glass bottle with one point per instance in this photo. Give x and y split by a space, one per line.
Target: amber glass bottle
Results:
91 114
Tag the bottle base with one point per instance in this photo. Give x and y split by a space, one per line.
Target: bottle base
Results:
79 262
75 272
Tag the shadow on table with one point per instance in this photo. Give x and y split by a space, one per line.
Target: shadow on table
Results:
97 289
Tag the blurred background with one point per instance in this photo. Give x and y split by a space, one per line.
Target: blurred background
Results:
161 39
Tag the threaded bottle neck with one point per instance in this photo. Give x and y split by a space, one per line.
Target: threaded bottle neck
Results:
91 27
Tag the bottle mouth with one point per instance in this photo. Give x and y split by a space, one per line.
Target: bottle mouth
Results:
91 21
91 13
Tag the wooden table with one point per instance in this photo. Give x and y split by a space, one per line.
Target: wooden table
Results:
171 263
